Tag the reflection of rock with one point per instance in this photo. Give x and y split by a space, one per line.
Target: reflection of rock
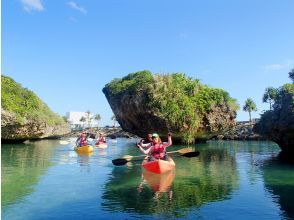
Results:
279 179
31 159
196 183
159 182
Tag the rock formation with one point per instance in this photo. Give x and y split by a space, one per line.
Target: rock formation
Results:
178 110
25 117
278 124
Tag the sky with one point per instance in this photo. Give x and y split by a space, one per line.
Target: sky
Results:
66 51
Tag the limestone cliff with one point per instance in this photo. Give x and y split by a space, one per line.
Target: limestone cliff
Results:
278 124
145 103
24 116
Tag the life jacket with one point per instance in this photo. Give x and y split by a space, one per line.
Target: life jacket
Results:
101 140
83 141
158 151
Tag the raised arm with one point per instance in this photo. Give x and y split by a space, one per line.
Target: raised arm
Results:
147 151
169 140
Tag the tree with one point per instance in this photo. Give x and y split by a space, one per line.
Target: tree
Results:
291 75
270 96
97 117
249 107
83 119
88 118
113 118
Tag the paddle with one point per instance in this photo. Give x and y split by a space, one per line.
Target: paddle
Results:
186 152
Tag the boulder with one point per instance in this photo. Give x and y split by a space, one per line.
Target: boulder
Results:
144 103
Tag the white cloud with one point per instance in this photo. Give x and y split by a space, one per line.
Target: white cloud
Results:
30 5
279 66
74 5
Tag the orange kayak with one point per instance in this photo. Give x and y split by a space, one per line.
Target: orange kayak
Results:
159 166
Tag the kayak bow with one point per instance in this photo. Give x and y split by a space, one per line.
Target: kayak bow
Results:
158 166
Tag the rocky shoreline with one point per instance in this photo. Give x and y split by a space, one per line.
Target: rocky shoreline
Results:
108 132
242 131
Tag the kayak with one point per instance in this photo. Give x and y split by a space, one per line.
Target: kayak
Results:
84 149
159 182
101 145
158 166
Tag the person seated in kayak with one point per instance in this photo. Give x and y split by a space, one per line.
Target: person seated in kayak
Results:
82 140
157 148
147 140
101 139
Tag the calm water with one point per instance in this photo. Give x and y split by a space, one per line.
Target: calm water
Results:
228 180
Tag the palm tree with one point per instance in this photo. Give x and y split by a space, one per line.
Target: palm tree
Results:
269 96
113 118
89 118
97 117
249 107
83 119
291 75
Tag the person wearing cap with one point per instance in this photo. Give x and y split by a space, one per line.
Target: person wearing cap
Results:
82 140
101 139
156 149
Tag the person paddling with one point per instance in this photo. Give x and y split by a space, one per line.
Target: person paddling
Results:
101 139
157 148
82 140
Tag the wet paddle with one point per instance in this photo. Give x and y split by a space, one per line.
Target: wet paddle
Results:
186 152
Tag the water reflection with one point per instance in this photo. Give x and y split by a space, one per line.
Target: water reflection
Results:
159 183
210 177
22 165
279 180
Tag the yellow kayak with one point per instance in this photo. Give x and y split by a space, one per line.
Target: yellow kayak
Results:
84 149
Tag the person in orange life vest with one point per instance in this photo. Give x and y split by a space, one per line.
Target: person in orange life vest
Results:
157 148
82 140
101 139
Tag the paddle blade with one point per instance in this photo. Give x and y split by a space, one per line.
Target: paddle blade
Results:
63 142
191 154
185 150
119 162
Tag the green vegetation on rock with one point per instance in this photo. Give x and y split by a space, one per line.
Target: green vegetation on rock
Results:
182 101
278 124
25 105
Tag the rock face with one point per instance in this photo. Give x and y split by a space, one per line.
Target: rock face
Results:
12 131
278 124
131 106
24 116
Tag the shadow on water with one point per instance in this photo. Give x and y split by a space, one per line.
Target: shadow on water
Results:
212 176
279 180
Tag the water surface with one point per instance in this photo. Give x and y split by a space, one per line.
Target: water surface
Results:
228 180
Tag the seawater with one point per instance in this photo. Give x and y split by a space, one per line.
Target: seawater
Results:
228 180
